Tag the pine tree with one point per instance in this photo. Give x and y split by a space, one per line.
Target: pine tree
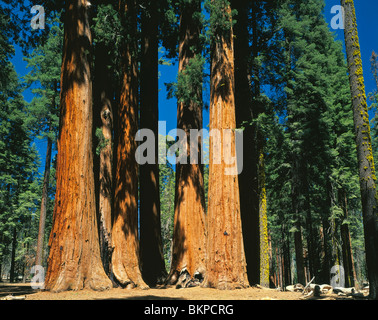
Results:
19 163
44 63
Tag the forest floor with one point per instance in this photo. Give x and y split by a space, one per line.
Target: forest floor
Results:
24 289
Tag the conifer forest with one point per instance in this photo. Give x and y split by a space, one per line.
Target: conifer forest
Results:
223 144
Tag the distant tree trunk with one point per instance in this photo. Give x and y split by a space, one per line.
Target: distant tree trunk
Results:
151 244
298 244
103 118
189 242
312 252
264 237
347 253
42 217
226 268
363 142
286 271
248 178
74 260
125 258
326 251
13 256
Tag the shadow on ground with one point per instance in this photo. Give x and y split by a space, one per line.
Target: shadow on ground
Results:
15 289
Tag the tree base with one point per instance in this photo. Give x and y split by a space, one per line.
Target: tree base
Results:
182 279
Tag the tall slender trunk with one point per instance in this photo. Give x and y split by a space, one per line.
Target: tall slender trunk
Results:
286 257
226 268
363 142
13 256
151 244
103 119
42 217
347 252
312 253
298 242
189 242
264 237
125 258
248 178
326 266
74 261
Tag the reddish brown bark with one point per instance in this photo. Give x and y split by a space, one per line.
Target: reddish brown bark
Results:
74 260
226 267
103 166
125 258
189 243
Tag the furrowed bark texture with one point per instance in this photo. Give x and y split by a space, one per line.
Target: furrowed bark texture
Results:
151 244
363 142
103 118
189 238
245 112
74 260
226 267
125 258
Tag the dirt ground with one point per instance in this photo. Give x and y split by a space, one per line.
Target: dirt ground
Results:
7 289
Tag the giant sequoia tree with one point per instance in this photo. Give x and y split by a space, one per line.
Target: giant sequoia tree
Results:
74 260
125 258
151 245
189 243
226 265
363 142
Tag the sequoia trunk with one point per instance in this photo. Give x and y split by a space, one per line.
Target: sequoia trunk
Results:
125 258
248 178
74 260
104 122
226 267
189 243
151 245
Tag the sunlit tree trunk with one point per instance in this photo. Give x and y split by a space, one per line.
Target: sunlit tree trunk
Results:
125 258
363 142
74 259
189 242
226 268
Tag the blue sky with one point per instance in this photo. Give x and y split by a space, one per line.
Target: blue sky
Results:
366 11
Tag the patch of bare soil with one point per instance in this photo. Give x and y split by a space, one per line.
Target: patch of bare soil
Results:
20 290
